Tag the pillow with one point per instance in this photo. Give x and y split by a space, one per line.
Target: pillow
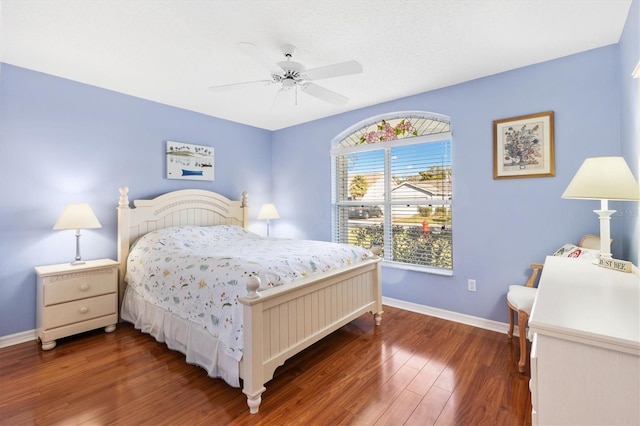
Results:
571 250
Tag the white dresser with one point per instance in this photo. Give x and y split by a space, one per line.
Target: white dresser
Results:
585 352
72 299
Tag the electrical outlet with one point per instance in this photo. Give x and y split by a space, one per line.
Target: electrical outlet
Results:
471 285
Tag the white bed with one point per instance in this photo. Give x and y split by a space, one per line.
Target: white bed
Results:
277 323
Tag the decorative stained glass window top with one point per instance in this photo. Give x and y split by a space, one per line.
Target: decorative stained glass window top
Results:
390 129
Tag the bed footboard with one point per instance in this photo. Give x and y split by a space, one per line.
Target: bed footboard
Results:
285 320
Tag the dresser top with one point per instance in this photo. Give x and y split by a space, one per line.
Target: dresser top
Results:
580 301
43 271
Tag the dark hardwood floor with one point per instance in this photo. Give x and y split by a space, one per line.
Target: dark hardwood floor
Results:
412 370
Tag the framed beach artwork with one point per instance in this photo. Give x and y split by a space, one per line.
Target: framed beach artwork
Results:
187 161
523 147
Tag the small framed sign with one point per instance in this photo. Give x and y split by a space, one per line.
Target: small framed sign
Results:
616 265
187 161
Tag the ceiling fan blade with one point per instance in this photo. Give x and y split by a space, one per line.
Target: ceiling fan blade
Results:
258 55
324 94
232 86
335 70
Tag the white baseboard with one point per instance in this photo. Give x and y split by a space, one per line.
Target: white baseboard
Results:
14 339
496 326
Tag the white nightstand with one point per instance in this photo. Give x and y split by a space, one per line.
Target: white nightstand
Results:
72 299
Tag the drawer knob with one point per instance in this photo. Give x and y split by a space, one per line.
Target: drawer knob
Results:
84 287
84 310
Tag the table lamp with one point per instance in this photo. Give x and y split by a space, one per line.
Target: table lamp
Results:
77 216
268 211
604 179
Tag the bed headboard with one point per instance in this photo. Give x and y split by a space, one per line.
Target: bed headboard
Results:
179 208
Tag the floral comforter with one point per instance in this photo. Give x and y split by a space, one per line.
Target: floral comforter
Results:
199 272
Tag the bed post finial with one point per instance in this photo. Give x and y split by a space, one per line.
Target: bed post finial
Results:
245 209
124 198
253 284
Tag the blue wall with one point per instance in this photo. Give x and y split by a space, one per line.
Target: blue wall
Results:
630 126
63 142
500 226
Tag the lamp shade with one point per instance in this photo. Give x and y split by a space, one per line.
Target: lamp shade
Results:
603 178
268 211
77 216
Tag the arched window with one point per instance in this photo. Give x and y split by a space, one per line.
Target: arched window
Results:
391 189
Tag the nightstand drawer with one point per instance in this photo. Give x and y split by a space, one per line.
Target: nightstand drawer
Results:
80 310
79 285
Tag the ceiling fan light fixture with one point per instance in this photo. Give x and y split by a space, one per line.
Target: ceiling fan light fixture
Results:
292 69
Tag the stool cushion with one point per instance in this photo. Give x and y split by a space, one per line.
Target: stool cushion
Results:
521 297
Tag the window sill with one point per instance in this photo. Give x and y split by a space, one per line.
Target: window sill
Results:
416 268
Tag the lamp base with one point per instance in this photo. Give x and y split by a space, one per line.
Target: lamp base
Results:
78 260
604 214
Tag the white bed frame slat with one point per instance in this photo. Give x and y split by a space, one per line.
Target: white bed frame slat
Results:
281 321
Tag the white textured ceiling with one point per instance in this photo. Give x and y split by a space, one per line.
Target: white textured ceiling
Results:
172 51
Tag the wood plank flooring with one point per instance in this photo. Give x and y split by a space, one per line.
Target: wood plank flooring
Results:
412 370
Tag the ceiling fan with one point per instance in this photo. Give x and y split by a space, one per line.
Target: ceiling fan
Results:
293 75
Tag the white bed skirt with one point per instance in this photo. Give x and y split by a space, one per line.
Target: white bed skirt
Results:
179 334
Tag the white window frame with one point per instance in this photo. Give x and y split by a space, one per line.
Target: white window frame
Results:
337 151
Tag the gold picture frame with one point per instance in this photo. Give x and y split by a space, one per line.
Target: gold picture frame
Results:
523 147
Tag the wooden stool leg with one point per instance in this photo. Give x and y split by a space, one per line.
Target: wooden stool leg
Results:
511 312
523 318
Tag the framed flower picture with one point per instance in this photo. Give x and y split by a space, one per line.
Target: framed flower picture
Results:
523 147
